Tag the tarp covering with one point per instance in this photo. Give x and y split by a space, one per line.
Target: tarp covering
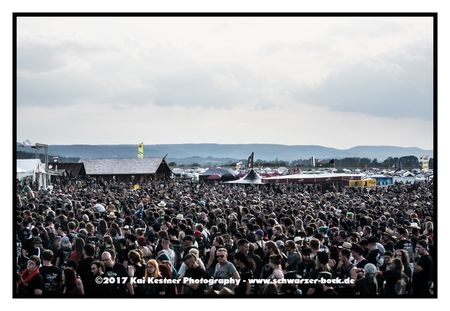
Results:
225 174
122 166
251 178
30 166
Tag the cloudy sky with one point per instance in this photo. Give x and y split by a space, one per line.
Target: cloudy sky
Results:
332 81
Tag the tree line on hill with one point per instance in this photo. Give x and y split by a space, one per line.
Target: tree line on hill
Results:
399 163
405 162
51 158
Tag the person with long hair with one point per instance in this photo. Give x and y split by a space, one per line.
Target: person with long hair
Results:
166 273
270 249
136 268
429 230
293 256
152 272
245 268
322 268
143 246
106 243
275 264
102 227
55 246
404 257
64 253
394 279
217 243
72 284
423 270
78 250
119 232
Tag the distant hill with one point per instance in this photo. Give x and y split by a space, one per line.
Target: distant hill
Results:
29 155
229 152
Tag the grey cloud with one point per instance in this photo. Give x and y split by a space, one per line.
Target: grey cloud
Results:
356 27
195 88
42 54
400 85
307 47
45 76
32 56
55 89
145 75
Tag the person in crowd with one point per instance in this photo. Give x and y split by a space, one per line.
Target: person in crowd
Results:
394 283
245 270
193 272
358 259
72 284
84 268
98 273
136 268
64 254
224 269
293 256
117 271
257 261
423 270
217 243
143 246
379 224
347 271
51 275
150 288
170 253
193 251
270 249
367 286
31 279
402 254
78 250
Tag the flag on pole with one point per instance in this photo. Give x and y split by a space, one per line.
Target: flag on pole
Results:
250 161
140 153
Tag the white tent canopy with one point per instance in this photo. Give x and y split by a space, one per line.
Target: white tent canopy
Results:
32 168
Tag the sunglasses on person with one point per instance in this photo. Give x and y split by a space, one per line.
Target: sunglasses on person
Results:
220 256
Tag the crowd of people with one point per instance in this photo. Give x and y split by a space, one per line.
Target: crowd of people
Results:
91 237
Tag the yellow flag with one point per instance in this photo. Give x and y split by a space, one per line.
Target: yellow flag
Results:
140 151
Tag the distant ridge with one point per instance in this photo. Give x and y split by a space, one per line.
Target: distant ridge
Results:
266 152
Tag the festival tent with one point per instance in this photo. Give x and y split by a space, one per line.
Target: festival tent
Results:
251 178
32 168
69 169
215 177
213 173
